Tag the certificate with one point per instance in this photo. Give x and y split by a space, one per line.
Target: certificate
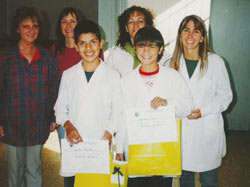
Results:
147 125
90 156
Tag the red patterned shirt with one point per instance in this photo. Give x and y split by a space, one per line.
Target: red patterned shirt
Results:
28 92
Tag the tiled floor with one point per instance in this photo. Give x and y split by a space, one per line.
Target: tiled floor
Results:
235 170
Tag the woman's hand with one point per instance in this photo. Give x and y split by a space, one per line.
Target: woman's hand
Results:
107 136
157 101
53 126
119 156
72 134
1 131
195 114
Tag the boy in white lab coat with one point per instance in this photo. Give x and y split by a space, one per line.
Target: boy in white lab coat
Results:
151 85
88 97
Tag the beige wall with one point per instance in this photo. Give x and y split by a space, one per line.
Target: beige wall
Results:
52 8
157 6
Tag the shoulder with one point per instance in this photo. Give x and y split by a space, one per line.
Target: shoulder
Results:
215 60
110 71
212 57
10 53
130 76
117 51
73 69
45 52
167 70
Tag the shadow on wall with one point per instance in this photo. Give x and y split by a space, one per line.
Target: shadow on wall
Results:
232 82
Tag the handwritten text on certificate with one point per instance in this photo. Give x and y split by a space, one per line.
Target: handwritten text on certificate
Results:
90 156
146 125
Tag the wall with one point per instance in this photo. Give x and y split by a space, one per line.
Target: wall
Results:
3 21
230 38
52 8
109 10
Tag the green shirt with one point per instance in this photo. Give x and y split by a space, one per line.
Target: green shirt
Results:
129 48
191 65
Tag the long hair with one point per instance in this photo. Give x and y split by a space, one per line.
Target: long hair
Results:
123 35
60 38
203 46
21 14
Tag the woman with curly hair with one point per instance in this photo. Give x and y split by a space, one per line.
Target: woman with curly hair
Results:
123 57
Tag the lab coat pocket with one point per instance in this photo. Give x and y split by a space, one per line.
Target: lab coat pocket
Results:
213 127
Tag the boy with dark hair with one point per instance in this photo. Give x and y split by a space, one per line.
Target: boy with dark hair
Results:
151 85
87 103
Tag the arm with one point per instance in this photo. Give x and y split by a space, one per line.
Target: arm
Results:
1 131
223 94
182 97
53 86
72 134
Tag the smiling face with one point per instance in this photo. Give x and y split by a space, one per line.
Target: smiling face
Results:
191 37
28 30
148 54
136 22
68 24
89 46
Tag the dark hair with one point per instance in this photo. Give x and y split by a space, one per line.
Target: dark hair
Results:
87 26
60 38
20 15
148 35
123 36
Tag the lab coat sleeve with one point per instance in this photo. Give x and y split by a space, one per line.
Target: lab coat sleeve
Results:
121 135
115 118
181 97
223 93
62 103
111 58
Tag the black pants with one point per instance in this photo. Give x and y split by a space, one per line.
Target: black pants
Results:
155 181
69 181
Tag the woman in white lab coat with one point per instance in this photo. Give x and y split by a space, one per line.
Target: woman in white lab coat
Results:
203 136
123 57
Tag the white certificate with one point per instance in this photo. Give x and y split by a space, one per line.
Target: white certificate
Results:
147 125
90 156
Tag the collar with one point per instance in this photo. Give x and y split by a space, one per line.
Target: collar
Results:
35 57
149 73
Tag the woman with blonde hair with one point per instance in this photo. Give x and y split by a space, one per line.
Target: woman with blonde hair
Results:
203 136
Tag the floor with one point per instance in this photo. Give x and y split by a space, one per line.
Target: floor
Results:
234 172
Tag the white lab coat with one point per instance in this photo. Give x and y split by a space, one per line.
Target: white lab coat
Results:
168 85
122 61
203 140
92 107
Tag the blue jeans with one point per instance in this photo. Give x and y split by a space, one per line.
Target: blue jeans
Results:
207 178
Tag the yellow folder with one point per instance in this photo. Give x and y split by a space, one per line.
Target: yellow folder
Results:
156 158
118 177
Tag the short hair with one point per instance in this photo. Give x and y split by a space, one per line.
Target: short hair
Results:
148 35
123 19
21 14
60 38
87 26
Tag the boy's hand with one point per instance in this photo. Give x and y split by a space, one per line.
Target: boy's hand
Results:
107 136
1 131
195 114
157 101
72 134
53 126
119 156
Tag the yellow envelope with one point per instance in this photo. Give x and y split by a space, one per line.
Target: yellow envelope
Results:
118 174
156 158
